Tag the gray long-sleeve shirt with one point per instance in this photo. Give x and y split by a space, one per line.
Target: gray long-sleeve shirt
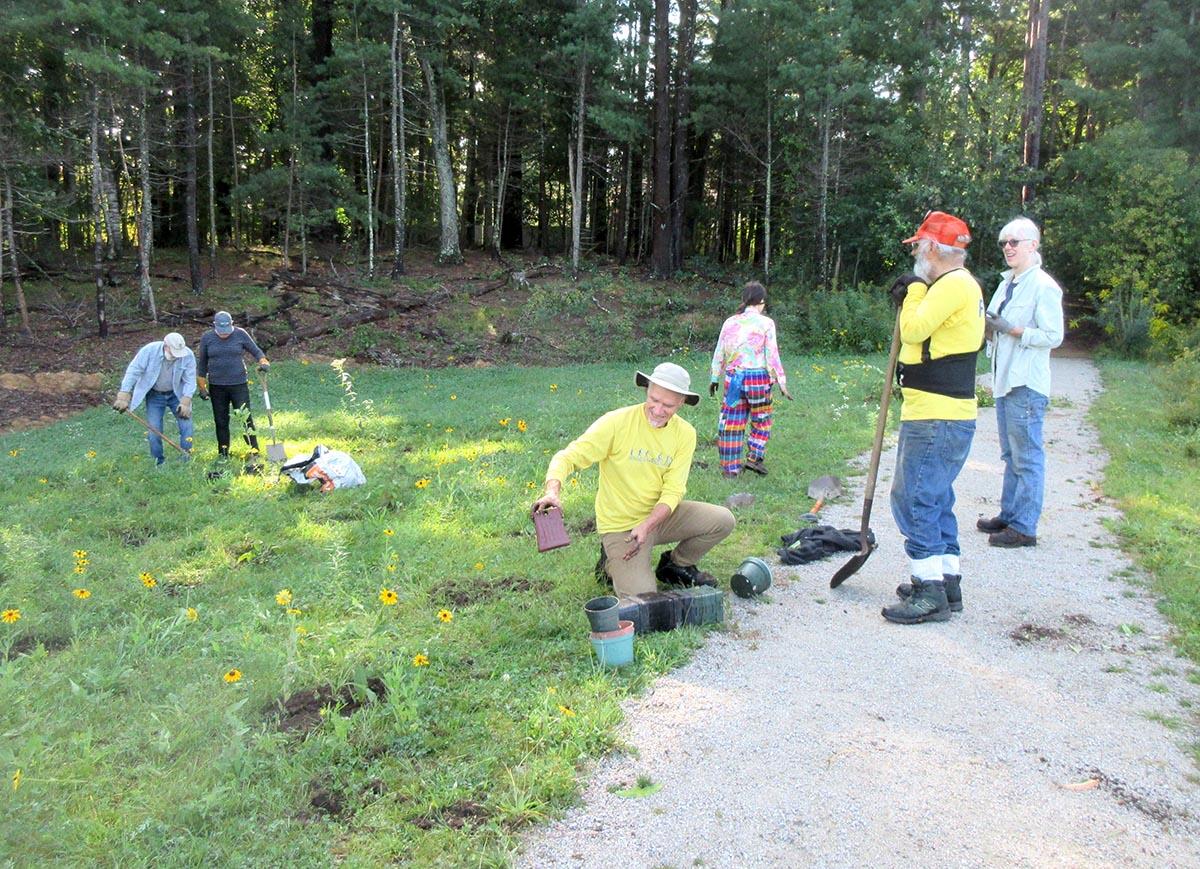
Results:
220 359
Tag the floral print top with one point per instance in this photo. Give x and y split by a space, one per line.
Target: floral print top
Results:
747 341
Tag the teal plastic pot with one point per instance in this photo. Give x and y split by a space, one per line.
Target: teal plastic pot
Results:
753 577
614 648
602 613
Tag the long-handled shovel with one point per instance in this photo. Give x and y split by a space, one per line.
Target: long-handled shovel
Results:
275 450
153 430
885 398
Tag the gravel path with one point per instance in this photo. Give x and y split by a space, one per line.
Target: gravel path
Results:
812 732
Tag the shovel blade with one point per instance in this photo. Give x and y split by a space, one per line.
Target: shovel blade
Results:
276 453
852 566
825 488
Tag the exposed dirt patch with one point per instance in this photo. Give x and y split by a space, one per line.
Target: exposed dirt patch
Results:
455 817
23 645
469 590
21 410
325 799
1079 620
1159 810
1030 633
587 526
301 712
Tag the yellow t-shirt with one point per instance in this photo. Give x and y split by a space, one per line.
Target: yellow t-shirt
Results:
640 466
950 313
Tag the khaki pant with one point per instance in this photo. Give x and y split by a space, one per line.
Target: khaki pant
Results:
695 526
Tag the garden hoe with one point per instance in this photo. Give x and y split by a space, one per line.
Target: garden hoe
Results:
852 566
153 430
822 489
275 451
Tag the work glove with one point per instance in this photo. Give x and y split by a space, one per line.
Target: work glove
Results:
122 403
202 387
712 389
899 288
185 408
263 364
997 324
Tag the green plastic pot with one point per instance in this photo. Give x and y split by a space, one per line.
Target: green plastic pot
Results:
752 578
602 613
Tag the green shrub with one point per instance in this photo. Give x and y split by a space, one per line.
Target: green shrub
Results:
857 320
1181 381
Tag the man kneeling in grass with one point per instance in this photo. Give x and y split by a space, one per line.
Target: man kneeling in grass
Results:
644 452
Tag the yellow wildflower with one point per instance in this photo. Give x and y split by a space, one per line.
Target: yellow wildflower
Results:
445 616
387 597
147 580
82 593
388 532
191 615
479 565
422 483
16 779
10 615
81 568
80 554
391 568
420 660
293 611
453 397
91 454
234 675
283 597
14 453
43 481
566 710
554 387
521 426
505 420
449 429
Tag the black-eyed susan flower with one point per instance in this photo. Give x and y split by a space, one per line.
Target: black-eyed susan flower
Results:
234 675
283 597
420 660
388 532
295 611
82 593
479 565
453 397
521 426
16 779
80 568
14 453
80 554
422 483
10 615
505 420
147 579
91 454
445 616
387 597
190 614
567 711
554 387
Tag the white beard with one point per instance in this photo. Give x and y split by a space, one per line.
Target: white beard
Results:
923 268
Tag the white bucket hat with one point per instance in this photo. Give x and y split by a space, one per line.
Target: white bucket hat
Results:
670 376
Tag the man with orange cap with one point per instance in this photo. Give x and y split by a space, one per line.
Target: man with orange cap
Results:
941 332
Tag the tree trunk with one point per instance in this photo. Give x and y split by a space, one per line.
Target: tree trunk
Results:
823 212
683 74
212 194
575 162
399 158
112 213
22 308
1033 92
368 169
661 251
448 248
287 218
767 197
97 217
502 169
190 145
235 205
3 316
145 213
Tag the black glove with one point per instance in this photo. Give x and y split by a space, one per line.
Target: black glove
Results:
899 289
712 389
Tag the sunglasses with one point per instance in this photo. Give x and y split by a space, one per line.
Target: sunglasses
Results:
1012 242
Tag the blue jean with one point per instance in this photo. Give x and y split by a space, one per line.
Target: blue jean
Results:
930 455
1019 417
157 404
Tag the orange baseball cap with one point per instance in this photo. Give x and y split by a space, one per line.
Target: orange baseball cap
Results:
944 229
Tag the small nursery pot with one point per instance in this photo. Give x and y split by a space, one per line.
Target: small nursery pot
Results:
614 648
602 613
752 577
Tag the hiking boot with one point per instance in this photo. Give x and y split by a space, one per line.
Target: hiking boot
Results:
991 526
755 465
1011 538
670 573
953 590
927 604
601 567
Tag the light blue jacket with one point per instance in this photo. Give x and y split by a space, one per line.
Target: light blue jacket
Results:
1036 305
142 373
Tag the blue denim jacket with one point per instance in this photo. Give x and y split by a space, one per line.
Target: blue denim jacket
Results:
143 372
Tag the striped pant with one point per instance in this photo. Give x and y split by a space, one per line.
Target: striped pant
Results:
753 404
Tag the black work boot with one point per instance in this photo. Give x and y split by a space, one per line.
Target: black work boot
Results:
677 574
601 567
991 526
1011 538
927 604
756 465
953 583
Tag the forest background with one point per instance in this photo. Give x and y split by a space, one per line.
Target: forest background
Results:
796 140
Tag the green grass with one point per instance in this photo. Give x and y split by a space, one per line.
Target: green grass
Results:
1155 477
131 745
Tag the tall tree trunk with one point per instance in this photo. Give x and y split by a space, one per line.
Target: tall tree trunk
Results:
97 217
575 161
145 212
3 315
767 196
1033 91
448 248
823 181
112 213
368 170
190 146
235 203
683 74
22 308
399 157
212 183
661 251
502 167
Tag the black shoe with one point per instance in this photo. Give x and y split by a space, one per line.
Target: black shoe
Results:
601 567
755 465
670 573
927 604
991 526
953 583
1011 538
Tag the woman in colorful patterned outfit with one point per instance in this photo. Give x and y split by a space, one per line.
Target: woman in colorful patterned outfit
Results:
748 358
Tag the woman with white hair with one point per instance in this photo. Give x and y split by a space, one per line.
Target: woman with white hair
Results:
1024 323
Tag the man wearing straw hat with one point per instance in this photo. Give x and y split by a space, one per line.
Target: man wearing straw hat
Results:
645 453
164 374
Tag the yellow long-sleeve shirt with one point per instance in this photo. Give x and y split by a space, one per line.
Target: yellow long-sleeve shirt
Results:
950 314
640 466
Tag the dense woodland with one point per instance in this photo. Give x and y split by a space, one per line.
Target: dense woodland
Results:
796 139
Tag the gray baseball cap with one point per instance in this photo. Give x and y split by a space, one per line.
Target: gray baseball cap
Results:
223 323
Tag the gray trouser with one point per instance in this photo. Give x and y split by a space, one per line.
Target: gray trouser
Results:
695 526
